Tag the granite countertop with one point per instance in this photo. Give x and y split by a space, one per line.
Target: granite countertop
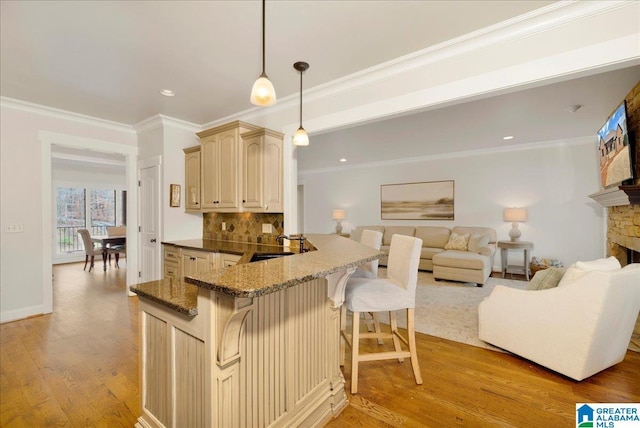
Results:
176 295
332 254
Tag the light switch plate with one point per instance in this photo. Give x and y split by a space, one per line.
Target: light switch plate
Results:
14 228
267 228
224 225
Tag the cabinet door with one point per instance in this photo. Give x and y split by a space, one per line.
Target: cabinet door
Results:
228 169
272 175
227 260
209 172
197 262
252 153
192 181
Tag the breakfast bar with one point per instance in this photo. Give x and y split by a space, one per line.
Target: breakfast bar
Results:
254 344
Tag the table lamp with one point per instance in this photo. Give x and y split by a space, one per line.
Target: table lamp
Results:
338 216
515 215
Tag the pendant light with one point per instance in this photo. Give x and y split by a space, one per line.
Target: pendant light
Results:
300 138
263 93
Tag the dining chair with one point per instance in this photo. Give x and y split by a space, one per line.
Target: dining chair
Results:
90 249
395 292
116 249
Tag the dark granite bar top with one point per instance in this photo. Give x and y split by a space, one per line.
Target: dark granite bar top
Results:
332 254
244 249
178 295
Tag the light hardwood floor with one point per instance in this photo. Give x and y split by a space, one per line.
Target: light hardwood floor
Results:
79 367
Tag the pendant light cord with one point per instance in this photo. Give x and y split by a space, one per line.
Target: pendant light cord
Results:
263 42
300 98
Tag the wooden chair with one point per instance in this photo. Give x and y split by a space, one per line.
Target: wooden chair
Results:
89 248
396 292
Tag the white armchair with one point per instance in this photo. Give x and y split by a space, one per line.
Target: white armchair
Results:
577 329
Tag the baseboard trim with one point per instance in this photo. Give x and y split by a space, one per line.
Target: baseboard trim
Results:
22 313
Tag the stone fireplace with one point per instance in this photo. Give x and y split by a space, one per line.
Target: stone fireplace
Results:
623 202
623 206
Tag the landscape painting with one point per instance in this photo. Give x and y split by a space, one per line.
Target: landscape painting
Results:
431 200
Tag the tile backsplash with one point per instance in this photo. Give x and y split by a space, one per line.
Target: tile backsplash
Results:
242 227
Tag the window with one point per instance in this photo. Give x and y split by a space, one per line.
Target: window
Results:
84 208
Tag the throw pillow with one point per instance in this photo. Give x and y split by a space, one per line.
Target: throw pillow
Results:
610 263
579 269
546 278
477 241
457 242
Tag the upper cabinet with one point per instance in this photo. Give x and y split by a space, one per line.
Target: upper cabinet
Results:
262 178
221 166
192 178
236 168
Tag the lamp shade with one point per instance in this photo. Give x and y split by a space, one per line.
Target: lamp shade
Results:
300 138
339 214
263 93
515 214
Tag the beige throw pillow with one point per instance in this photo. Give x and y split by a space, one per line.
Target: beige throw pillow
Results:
580 269
546 278
477 241
457 242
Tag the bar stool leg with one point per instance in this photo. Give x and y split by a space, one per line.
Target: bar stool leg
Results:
355 342
411 331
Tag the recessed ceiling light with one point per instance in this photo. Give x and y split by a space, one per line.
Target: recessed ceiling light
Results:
508 137
343 160
167 93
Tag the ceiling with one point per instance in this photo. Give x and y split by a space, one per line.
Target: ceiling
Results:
110 59
535 115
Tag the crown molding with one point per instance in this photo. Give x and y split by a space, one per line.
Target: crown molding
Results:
540 20
160 120
57 113
455 155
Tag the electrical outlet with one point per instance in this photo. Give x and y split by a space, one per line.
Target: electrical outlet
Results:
224 225
267 228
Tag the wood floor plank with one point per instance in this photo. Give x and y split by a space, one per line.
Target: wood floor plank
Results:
79 367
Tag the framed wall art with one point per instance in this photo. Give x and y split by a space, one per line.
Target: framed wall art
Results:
432 200
174 195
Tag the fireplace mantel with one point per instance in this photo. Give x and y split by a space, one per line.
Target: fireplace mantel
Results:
616 196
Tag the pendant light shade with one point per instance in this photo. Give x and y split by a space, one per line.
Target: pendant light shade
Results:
300 138
263 93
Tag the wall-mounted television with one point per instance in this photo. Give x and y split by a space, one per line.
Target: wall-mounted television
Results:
615 150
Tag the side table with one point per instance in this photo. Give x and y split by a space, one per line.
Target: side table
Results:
517 245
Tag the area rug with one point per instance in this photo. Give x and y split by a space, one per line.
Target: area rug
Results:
449 309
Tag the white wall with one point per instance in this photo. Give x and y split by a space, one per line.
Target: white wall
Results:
177 223
21 193
552 181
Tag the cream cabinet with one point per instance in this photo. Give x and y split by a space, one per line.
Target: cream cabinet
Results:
262 178
227 260
171 262
192 179
221 167
194 261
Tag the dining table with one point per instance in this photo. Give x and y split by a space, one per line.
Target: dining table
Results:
107 241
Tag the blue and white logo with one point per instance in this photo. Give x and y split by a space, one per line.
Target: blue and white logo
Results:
608 415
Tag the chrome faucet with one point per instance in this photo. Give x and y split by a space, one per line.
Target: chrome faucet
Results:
300 238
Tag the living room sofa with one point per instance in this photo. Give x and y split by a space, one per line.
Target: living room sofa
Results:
473 264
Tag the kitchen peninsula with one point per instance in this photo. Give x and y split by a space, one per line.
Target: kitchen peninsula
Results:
249 345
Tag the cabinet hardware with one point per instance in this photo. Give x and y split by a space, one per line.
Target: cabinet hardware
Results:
153 240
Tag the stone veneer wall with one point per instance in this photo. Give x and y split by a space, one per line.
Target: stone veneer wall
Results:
623 222
242 227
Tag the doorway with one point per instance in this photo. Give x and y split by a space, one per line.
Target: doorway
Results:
129 152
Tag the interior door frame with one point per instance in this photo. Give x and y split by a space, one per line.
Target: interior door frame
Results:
47 140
